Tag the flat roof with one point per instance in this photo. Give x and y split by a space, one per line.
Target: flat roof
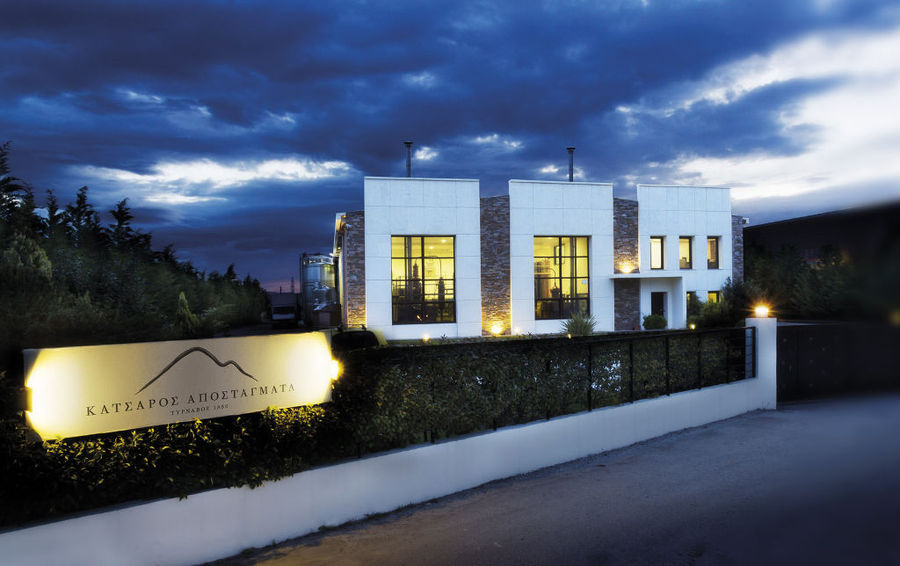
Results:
420 179
672 186
546 182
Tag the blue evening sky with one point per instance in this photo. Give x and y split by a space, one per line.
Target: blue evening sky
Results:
238 129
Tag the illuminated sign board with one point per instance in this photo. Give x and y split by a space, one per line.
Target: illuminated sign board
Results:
96 389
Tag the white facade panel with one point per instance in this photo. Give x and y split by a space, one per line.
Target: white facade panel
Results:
467 287
467 193
578 219
561 209
440 194
407 192
397 206
547 196
378 220
468 311
522 219
420 331
695 212
521 195
521 244
468 220
377 193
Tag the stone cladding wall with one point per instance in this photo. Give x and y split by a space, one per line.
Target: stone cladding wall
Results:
627 293
354 273
495 307
625 233
737 249
628 304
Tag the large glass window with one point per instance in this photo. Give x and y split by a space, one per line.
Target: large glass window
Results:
422 277
712 252
657 258
561 282
685 252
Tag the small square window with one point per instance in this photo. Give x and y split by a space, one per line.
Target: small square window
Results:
685 252
657 255
712 252
712 296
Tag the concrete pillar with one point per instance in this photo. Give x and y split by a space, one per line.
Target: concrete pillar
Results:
766 359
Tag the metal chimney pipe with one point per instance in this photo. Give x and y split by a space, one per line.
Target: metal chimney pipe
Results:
408 145
571 151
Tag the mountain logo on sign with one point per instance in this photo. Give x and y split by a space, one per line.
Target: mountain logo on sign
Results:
187 353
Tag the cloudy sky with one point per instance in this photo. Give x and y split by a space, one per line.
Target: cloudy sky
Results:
238 129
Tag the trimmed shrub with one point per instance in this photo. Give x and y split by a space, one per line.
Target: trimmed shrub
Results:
655 322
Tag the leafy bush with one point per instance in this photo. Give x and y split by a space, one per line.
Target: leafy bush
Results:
580 324
735 304
655 322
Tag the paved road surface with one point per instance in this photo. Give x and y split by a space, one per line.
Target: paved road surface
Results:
813 483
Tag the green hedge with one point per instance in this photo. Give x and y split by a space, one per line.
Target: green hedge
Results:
393 397
386 398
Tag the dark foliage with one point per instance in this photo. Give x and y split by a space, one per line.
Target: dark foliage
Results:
66 279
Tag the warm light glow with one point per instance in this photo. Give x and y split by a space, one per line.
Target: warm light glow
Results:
335 370
626 267
516 330
761 311
426 338
656 252
895 317
496 328
692 326
98 389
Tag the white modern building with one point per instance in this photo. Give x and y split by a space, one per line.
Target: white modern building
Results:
430 258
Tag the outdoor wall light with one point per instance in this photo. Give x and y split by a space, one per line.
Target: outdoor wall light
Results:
692 326
626 267
761 311
496 328
426 338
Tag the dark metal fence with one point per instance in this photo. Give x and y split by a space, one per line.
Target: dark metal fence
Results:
455 388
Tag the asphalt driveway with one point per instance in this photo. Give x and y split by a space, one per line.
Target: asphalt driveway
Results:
811 483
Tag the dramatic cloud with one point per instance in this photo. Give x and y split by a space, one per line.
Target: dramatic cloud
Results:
238 129
854 125
214 175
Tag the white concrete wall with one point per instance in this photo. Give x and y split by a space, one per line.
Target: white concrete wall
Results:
675 211
548 208
221 523
402 206
676 301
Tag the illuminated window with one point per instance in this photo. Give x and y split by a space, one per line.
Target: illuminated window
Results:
422 270
657 260
691 297
712 252
561 283
685 253
712 296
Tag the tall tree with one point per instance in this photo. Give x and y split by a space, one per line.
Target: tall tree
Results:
12 190
83 221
